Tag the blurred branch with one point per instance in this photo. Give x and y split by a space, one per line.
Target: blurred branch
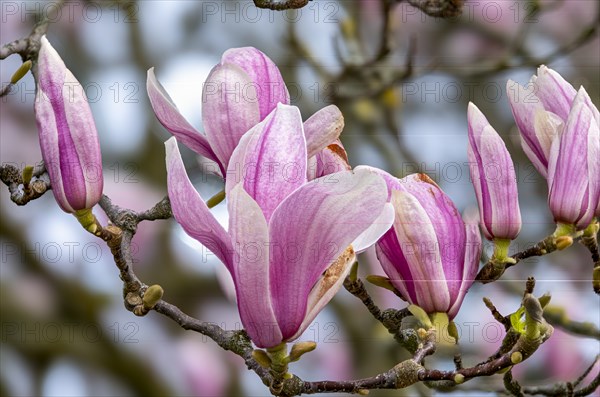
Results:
438 8
511 385
558 389
558 317
28 47
590 241
280 5
79 306
523 56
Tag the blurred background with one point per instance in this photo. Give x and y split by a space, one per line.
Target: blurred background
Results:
402 80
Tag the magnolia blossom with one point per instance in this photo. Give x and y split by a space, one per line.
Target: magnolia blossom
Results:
429 254
574 166
238 93
541 110
68 137
330 160
493 177
290 242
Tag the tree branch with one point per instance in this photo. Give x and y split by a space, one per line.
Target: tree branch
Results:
492 270
280 5
22 192
390 318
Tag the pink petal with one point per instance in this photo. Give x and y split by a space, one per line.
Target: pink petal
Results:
263 73
191 211
380 226
271 159
229 109
572 177
326 287
472 257
524 105
310 229
323 128
250 237
554 91
330 160
419 243
169 116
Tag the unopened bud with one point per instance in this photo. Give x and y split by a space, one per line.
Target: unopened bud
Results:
152 295
516 357
301 348
363 392
21 72
563 242
27 174
459 378
533 316
545 299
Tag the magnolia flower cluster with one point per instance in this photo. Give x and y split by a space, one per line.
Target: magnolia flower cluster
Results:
298 214
560 135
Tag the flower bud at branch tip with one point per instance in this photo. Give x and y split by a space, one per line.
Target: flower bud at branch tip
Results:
68 137
152 295
27 175
533 316
545 299
301 348
563 242
21 72
516 357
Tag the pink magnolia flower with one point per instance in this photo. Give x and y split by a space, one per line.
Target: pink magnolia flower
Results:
559 129
540 110
239 93
429 254
68 137
493 177
290 242
574 166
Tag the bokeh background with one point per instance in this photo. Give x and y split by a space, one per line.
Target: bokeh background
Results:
64 330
